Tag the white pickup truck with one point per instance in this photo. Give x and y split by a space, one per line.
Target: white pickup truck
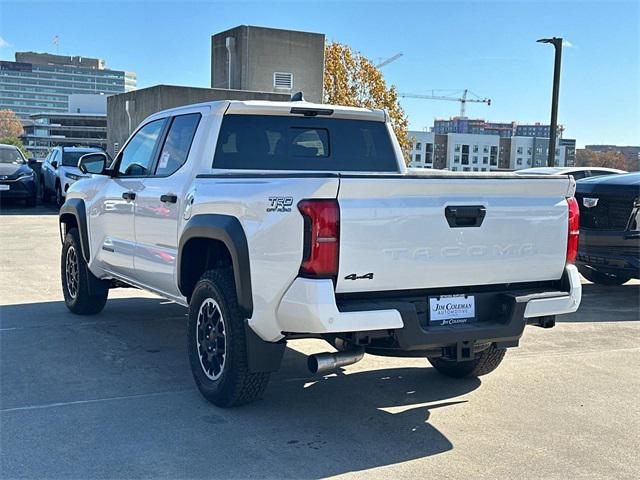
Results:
274 221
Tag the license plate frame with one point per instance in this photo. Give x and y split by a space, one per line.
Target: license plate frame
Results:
447 310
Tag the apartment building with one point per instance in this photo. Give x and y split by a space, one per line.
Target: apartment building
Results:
473 125
483 153
528 152
454 151
468 152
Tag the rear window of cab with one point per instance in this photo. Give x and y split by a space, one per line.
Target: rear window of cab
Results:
271 142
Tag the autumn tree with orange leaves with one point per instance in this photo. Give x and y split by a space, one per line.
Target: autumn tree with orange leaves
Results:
351 79
10 125
589 158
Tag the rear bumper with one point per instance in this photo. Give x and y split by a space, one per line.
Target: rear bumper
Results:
397 324
616 252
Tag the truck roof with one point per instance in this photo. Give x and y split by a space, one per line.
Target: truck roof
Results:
265 107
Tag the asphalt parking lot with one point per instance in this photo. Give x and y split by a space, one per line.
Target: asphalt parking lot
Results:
111 396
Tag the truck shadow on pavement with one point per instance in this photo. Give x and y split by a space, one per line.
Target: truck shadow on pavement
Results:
607 304
111 395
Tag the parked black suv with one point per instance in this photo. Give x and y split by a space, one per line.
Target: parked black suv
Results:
609 251
17 179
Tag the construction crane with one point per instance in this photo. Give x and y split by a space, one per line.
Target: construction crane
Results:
387 61
463 96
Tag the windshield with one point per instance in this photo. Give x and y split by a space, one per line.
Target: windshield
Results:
70 159
10 155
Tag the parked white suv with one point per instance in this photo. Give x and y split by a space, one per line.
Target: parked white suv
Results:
274 221
60 171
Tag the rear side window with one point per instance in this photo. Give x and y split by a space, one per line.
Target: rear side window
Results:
264 142
177 144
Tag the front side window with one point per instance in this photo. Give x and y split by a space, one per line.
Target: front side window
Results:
177 144
269 142
137 156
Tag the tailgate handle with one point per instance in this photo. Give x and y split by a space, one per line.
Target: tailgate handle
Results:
459 216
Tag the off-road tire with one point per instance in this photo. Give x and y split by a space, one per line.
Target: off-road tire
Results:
44 194
485 362
235 385
59 196
86 295
594 276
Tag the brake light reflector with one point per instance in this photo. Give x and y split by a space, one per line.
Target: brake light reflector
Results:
574 230
321 237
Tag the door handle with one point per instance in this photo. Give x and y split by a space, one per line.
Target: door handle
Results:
169 198
129 196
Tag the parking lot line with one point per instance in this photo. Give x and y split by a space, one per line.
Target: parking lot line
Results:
94 400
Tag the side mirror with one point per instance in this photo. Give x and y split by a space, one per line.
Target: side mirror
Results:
95 163
54 164
32 161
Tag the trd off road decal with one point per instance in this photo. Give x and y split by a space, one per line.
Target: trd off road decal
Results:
280 204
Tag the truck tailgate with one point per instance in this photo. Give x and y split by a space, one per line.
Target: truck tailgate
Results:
413 233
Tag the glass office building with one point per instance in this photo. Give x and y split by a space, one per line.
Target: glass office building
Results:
42 83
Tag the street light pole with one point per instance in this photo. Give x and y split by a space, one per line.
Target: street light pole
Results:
557 43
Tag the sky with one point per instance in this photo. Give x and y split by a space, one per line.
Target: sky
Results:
487 47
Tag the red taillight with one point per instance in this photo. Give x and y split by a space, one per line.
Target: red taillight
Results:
321 237
574 230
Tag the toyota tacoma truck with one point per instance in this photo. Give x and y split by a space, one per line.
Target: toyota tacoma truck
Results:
275 221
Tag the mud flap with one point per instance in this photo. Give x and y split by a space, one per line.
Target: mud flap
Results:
262 356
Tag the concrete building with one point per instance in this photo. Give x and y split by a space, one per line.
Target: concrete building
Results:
41 82
126 110
268 60
85 125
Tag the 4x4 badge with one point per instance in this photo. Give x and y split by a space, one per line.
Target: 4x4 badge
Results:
589 202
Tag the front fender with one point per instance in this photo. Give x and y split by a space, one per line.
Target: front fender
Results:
75 207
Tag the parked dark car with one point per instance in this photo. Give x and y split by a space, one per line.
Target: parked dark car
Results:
609 251
17 179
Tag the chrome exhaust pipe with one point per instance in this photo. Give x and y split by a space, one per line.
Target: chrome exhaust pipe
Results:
325 362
